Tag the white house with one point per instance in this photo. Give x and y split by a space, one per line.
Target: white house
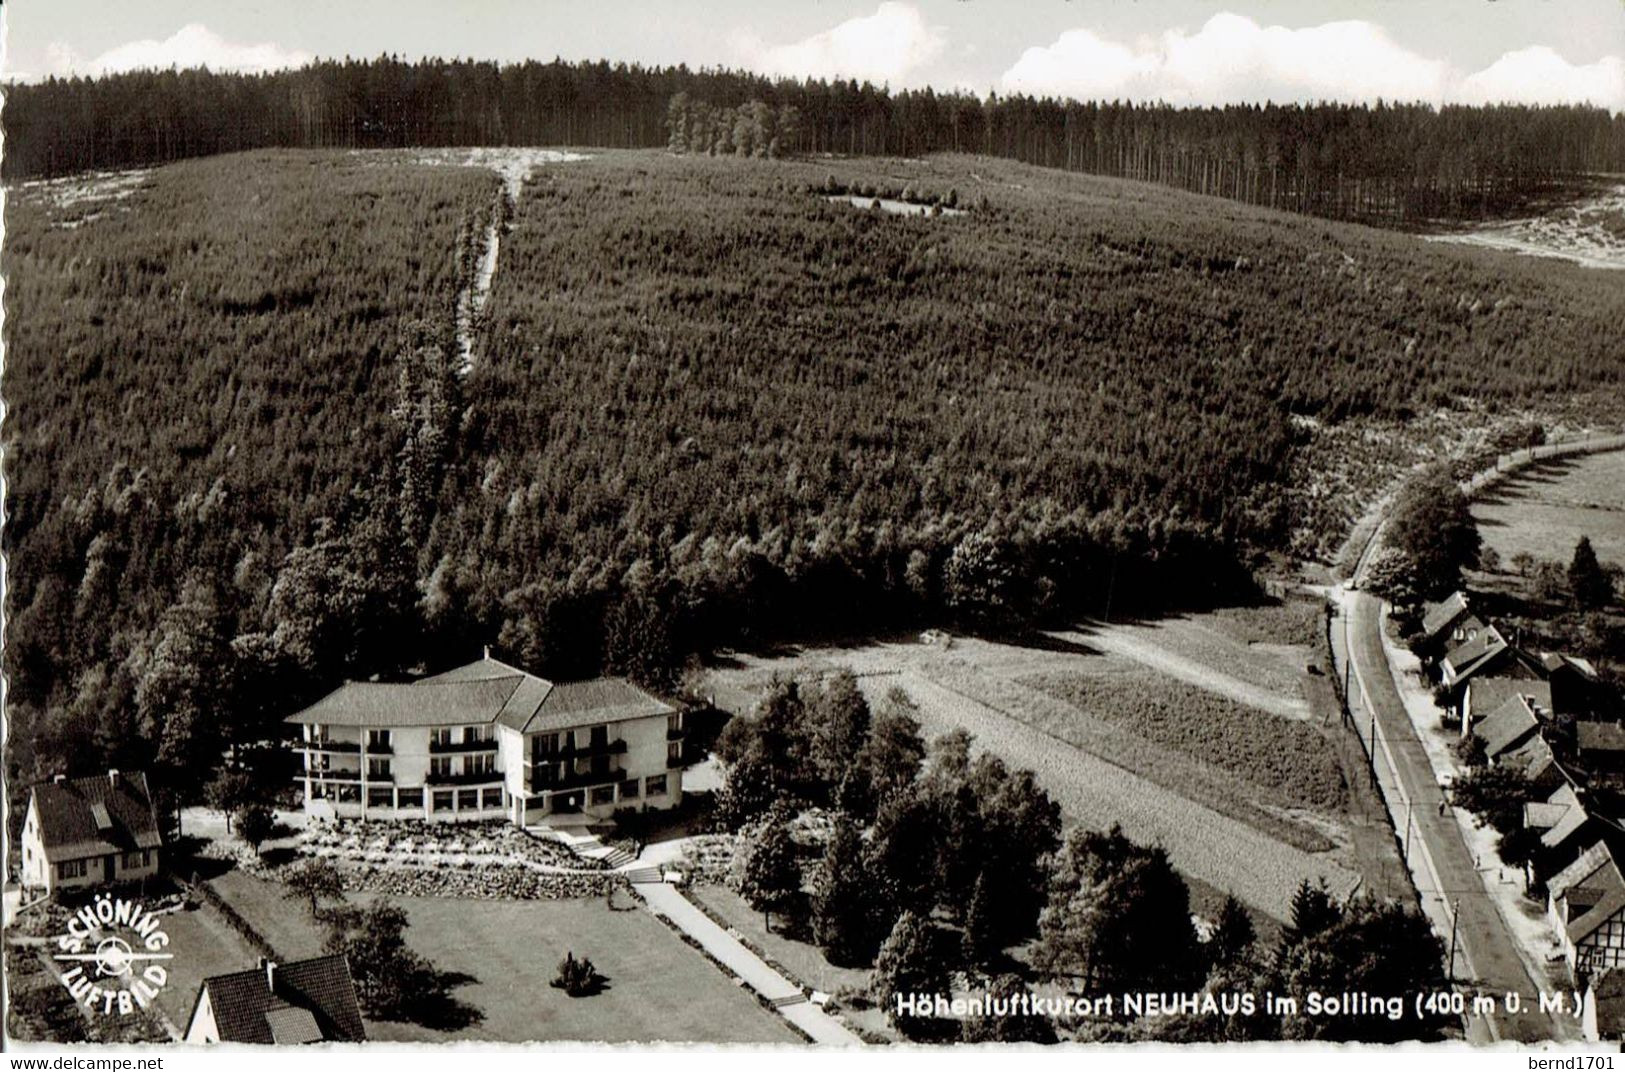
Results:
485 741
279 1004
89 831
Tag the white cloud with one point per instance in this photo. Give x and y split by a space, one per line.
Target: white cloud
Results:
1234 59
1540 76
884 47
194 45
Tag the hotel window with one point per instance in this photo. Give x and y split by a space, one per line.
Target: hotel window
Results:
492 798
480 764
440 767
378 768
674 723
442 737
70 869
655 786
442 800
603 794
318 763
133 860
674 753
468 799
409 798
629 790
476 734
380 797
378 740
546 744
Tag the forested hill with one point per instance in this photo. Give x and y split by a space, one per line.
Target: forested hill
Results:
712 401
1395 164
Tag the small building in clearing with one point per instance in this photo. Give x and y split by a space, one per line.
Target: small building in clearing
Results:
84 832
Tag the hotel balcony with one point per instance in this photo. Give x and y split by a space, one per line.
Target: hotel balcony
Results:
439 748
542 783
351 747
329 776
581 751
490 777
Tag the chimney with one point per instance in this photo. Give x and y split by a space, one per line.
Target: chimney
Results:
269 967
486 652
59 778
112 776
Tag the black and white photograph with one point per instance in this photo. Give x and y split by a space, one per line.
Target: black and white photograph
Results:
898 526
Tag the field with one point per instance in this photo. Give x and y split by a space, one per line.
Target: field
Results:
505 952
1150 726
1544 510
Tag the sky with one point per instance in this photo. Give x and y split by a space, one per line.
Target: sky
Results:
1181 51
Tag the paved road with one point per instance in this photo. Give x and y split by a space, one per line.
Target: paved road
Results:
1440 862
670 902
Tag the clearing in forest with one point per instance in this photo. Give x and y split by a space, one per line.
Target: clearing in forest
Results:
1194 733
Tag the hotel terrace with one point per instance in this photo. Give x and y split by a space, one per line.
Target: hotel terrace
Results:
488 741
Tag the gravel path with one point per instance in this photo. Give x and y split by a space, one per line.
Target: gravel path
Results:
1139 643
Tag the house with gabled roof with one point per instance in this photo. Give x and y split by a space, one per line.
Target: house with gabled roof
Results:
82 832
1539 764
1449 623
1508 727
487 740
1586 906
1601 746
1573 821
1485 695
1485 655
289 1004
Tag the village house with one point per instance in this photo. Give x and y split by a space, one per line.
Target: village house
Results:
89 831
1562 823
1488 654
1601 746
1486 695
1448 624
1586 907
487 741
1508 727
279 1004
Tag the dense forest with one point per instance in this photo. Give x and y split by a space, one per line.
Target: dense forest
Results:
1391 163
708 405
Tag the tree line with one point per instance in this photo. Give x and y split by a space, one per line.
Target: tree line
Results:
944 871
1391 162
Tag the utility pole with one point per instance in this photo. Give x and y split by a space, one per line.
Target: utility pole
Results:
1455 915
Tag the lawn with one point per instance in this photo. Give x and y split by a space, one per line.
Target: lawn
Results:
659 989
1544 510
802 961
284 923
203 944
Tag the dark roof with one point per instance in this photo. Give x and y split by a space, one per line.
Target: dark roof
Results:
1489 693
304 1001
1600 736
1439 616
97 815
1594 868
1472 655
484 691
1555 662
1507 726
